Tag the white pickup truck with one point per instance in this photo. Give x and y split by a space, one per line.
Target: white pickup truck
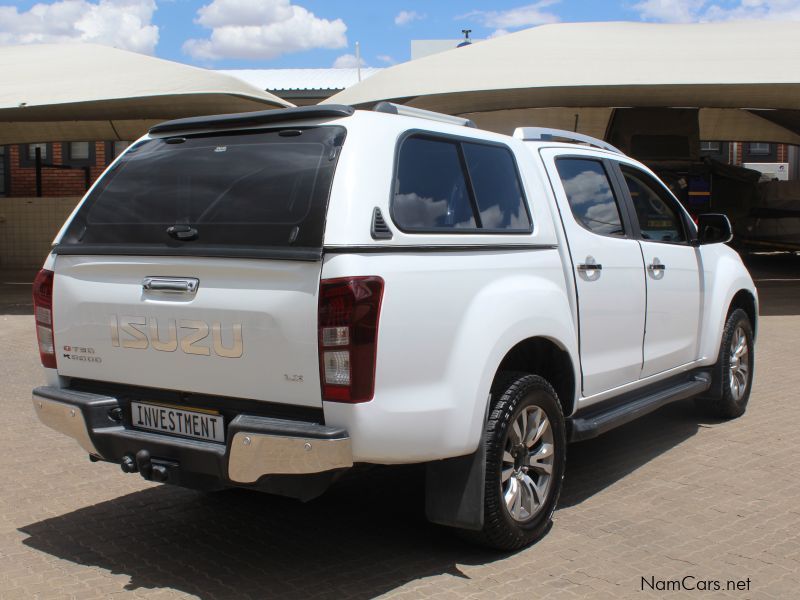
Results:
266 300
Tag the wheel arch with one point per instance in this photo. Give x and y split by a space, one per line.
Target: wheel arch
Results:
745 300
544 357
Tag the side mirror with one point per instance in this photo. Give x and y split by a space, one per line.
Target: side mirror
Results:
713 229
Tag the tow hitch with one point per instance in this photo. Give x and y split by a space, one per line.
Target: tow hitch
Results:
152 469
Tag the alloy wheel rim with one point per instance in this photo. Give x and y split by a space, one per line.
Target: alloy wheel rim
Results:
527 468
739 364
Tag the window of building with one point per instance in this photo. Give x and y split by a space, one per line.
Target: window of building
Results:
78 154
712 147
32 151
759 148
656 211
27 153
114 149
445 184
79 150
590 195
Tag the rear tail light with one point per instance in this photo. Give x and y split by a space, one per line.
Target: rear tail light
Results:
43 312
349 310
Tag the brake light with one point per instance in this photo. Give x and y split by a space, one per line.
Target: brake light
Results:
43 313
349 310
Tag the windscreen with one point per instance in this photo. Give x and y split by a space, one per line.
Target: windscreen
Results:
230 190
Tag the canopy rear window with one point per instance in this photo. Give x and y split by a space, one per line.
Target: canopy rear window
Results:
229 193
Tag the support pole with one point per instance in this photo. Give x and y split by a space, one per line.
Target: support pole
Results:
38 151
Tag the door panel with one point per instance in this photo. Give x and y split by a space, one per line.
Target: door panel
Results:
673 275
673 307
608 271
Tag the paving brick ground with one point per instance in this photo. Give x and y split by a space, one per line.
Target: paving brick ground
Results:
669 496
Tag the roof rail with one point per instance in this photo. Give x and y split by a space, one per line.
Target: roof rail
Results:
546 134
410 111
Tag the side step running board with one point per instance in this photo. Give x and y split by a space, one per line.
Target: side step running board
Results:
595 422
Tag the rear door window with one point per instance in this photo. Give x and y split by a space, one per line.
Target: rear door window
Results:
453 185
233 190
590 195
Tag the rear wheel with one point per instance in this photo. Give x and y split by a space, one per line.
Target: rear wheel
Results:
525 455
734 369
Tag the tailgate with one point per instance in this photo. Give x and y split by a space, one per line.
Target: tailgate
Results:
249 330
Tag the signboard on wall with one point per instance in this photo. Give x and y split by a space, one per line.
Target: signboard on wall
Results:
779 171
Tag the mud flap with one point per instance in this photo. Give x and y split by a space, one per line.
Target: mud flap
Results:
455 488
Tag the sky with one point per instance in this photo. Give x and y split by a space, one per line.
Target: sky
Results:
267 34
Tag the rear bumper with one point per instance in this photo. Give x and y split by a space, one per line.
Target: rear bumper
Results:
255 446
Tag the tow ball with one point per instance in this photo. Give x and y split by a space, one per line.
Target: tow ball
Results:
142 463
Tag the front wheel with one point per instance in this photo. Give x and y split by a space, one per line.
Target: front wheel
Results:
734 369
525 456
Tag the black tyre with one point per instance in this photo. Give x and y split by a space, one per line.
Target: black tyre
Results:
734 369
525 455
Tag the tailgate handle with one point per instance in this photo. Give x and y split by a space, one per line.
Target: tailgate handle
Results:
182 285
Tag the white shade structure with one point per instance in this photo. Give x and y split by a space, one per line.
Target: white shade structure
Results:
586 69
61 92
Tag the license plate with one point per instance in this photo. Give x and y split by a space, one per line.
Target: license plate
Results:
194 423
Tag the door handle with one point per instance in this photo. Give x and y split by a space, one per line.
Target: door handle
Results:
656 267
185 285
589 267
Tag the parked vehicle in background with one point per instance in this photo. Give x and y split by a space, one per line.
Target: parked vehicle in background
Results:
266 300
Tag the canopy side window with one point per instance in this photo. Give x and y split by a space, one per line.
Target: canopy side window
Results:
451 185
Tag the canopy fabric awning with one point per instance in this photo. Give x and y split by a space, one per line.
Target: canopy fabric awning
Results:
716 124
587 68
64 92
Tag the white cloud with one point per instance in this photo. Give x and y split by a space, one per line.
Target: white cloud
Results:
262 29
676 11
404 17
688 11
385 58
348 61
514 18
125 24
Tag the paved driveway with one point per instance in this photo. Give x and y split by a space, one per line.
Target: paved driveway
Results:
669 497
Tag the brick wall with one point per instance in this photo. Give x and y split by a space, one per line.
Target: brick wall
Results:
55 182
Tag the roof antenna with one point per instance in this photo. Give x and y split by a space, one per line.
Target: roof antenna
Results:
466 41
577 116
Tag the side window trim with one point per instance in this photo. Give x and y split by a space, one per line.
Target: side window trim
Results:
473 200
634 231
688 231
459 141
617 190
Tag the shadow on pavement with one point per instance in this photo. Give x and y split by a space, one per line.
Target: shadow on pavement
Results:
360 540
596 464
363 538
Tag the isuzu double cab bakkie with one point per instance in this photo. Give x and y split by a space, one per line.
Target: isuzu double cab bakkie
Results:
266 300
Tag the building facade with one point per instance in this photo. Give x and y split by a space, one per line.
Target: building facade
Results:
66 168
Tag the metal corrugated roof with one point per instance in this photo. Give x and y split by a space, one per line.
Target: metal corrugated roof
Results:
301 79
